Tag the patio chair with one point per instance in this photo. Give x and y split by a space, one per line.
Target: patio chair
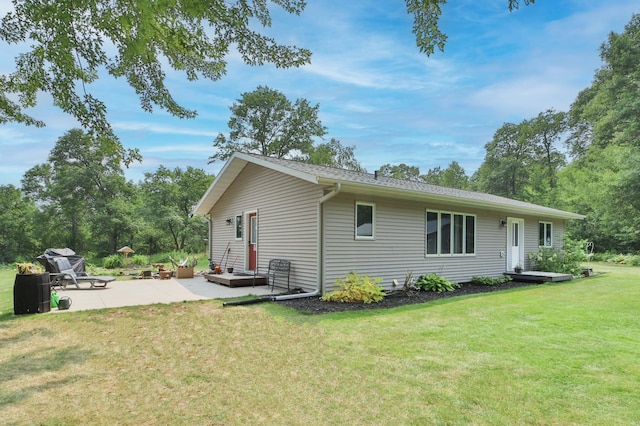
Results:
278 267
65 275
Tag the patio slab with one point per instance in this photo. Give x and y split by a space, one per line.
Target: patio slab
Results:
147 292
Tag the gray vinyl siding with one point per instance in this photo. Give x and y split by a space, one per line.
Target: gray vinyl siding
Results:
532 237
399 244
286 208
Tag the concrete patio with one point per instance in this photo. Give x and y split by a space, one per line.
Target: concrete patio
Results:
150 291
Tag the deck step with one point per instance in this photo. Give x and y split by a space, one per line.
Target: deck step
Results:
236 280
539 276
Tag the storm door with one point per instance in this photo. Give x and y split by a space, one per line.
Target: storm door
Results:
253 241
515 243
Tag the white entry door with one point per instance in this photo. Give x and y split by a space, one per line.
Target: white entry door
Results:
515 243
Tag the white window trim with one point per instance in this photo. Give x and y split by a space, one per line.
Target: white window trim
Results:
550 236
451 235
373 221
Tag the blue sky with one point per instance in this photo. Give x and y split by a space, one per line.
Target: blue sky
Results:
376 91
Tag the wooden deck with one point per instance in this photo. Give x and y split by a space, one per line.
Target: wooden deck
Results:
539 276
236 280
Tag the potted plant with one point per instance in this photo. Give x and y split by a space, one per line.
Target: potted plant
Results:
27 268
518 268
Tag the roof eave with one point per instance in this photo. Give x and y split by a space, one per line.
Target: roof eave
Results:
458 201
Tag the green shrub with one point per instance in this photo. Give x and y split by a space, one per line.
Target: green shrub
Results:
433 282
566 261
139 259
113 261
617 258
488 281
356 288
621 259
164 257
175 255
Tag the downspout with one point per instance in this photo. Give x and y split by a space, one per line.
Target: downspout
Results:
210 243
318 290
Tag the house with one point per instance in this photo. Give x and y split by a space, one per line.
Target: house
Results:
329 222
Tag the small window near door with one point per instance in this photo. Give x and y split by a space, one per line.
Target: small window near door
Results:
546 234
365 221
238 227
253 235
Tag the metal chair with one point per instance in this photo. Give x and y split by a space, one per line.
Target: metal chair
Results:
278 267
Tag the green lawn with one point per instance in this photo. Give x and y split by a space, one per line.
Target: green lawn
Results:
552 354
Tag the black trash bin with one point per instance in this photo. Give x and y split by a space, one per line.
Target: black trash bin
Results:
31 294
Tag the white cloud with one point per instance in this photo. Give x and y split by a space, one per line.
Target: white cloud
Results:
180 149
162 129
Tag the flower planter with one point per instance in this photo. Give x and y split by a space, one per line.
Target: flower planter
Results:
184 272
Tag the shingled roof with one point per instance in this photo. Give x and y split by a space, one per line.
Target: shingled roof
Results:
371 184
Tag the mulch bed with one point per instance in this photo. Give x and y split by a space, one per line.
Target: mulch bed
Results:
313 305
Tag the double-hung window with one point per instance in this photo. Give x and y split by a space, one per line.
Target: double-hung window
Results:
450 234
546 234
365 221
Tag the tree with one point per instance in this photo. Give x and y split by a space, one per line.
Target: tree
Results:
605 135
71 44
61 202
265 122
523 160
545 132
604 184
401 171
505 168
17 225
608 112
333 154
82 187
169 197
453 176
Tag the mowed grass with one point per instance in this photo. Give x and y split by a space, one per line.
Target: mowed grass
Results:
551 354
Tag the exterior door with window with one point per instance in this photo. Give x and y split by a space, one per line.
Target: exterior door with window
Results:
515 243
253 241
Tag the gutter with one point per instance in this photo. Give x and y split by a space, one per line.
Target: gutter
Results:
318 291
502 204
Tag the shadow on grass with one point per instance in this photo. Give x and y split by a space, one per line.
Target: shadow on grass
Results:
24 336
24 367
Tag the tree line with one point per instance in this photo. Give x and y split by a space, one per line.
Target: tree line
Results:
81 199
